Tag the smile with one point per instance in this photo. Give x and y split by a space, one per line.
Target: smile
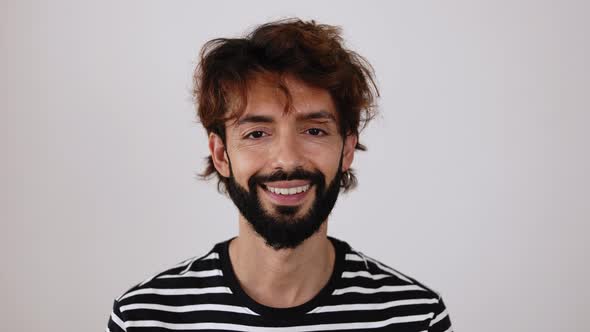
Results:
288 191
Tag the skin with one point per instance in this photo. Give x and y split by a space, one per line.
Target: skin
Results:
287 277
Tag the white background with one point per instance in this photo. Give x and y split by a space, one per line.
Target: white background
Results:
475 183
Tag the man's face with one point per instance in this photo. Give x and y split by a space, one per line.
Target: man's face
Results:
284 168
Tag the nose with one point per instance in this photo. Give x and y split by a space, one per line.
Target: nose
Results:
286 152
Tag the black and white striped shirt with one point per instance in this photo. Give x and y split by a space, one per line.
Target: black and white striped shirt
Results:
203 294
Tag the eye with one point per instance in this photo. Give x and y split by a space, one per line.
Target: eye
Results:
255 134
316 132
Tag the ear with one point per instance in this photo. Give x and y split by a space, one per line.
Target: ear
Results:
348 151
218 154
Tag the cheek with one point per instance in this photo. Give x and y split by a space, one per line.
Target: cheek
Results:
324 155
244 165
330 144
248 159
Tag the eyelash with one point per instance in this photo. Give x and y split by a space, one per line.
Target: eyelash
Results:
249 135
323 132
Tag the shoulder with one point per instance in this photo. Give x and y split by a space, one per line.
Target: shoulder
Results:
377 270
368 280
359 264
193 272
195 275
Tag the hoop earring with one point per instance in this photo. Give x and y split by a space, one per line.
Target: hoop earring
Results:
346 177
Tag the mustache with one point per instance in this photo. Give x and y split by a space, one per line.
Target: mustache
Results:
280 175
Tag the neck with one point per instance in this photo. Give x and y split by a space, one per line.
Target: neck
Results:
281 278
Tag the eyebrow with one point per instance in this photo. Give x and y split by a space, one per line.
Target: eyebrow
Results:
255 119
319 115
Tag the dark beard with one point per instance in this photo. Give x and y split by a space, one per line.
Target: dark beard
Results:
283 230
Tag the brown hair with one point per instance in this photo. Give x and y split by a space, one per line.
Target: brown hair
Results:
311 52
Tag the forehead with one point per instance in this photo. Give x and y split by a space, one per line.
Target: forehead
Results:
276 96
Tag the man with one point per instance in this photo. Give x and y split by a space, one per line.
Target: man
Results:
283 108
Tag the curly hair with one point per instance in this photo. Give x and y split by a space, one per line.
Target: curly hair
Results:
311 52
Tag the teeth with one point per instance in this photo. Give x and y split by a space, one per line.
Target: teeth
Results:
288 191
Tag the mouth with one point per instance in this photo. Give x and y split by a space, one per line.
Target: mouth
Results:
287 192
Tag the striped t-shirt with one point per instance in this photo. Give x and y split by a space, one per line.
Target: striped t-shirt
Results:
203 294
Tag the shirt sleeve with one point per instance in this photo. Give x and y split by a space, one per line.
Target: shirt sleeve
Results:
441 322
116 322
